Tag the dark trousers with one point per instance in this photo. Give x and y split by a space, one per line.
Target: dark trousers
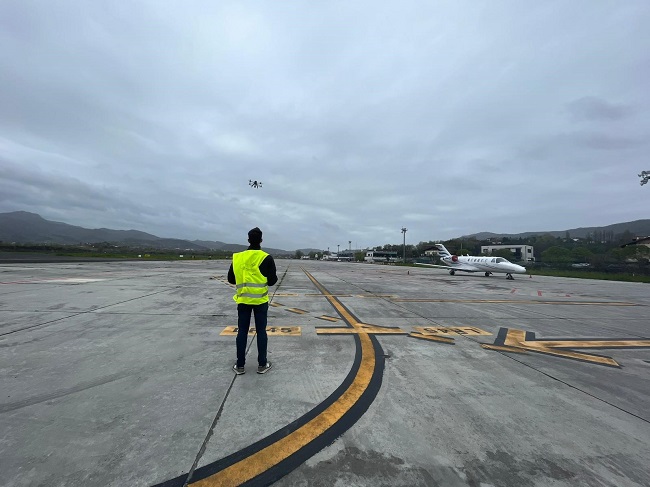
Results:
260 312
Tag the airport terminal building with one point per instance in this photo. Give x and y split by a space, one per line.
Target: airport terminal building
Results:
520 252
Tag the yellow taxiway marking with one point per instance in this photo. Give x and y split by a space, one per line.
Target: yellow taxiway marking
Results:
275 305
382 296
360 328
432 338
592 343
266 458
512 301
270 330
450 330
333 295
518 341
285 294
297 311
328 318
503 348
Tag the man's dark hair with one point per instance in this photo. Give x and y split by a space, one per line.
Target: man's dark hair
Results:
255 236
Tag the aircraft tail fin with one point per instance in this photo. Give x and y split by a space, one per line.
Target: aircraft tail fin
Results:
442 250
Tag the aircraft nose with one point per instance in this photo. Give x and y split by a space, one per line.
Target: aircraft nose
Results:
520 268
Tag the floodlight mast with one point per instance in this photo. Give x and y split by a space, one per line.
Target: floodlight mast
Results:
645 176
404 230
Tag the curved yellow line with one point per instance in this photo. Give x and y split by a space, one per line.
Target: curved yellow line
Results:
261 461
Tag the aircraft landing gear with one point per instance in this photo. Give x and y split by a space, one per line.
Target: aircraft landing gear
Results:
451 272
487 274
509 277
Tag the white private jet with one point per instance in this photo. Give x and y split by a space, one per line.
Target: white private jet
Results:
469 263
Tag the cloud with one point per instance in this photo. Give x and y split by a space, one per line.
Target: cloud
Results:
593 108
359 118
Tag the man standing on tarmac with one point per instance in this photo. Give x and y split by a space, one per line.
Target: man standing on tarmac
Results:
252 271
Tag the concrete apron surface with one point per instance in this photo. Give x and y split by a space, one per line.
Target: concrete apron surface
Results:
120 374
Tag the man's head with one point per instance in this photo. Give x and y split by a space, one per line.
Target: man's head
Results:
255 236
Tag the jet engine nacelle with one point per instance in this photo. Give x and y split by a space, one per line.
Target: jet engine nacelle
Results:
454 258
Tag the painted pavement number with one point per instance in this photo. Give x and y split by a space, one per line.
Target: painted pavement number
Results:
520 341
270 330
437 333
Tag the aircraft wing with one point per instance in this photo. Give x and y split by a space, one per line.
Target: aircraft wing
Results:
457 267
433 265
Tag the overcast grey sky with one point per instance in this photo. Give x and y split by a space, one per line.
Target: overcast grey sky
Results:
360 118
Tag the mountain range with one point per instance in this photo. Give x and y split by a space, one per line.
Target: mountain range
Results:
25 227
637 228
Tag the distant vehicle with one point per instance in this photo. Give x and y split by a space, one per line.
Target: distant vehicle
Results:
337 257
380 256
581 264
470 263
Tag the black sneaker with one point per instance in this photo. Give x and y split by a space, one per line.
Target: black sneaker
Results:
263 369
238 370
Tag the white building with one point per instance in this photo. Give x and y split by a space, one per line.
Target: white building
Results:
522 252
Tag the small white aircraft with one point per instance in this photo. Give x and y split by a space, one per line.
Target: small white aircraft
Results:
469 263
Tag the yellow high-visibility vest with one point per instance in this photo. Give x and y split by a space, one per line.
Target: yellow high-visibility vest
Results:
252 286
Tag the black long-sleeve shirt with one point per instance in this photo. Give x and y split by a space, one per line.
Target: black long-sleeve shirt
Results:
267 269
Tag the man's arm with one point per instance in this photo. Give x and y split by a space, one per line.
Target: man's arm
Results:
267 268
231 276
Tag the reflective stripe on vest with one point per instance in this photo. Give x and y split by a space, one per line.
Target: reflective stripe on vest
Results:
252 287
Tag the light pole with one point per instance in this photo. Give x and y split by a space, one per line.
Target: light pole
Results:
338 249
404 252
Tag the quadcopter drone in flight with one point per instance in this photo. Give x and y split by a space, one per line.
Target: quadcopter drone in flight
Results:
645 175
255 184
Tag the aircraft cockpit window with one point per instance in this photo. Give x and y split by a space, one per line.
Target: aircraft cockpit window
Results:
501 260
494 259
